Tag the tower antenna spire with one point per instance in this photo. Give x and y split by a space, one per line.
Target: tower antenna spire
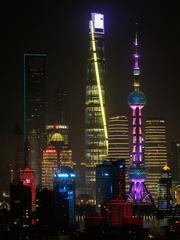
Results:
136 68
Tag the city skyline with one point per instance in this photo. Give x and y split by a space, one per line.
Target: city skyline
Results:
65 41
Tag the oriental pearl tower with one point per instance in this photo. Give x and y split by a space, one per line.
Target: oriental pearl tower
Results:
138 193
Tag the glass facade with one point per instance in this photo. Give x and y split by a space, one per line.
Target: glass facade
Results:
155 152
118 141
48 167
95 119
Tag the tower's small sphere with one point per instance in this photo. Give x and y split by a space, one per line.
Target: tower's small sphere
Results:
136 98
137 172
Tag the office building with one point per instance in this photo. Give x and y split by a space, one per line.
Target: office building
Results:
165 198
48 167
138 193
118 138
110 181
27 176
155 152
175 160
51 212
64 185
118 141
19 153
21 205
58 135
96 137
35 107
60 107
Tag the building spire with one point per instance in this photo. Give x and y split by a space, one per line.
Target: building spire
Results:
136 68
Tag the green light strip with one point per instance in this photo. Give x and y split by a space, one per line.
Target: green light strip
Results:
98 83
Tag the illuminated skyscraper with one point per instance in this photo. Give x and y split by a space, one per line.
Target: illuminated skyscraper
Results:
64 185
35 107
118 138
155 152
54 135
48 167
138 192
96 138
118 141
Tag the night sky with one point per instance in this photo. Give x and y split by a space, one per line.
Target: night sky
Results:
60 29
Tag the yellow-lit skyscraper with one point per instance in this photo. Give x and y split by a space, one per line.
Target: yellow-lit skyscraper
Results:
96 138
118 138
118 141
155 152
48 167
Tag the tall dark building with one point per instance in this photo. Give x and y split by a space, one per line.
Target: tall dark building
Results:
175 160
35 107
51 212
165 200
96 138
110 181
61 107
20 203
19 151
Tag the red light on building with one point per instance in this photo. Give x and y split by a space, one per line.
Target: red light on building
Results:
50 150
27 176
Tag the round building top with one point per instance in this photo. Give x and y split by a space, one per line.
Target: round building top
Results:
57 137
136 98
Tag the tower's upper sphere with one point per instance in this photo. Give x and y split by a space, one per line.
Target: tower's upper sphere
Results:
136 98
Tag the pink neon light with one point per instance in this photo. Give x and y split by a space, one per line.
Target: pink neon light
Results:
140 148
140 121
134 139
140 131
134 121
140 139
134 130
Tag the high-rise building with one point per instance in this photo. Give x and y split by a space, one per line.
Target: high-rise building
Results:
110 181
165 189
48 167
118 138
175 160
96 138
27 176
54 135
155 152
138 192
60 115
19 151
118 141
51 212
35 107
64 185
20 203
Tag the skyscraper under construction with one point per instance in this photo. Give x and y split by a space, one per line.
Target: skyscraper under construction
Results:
96 137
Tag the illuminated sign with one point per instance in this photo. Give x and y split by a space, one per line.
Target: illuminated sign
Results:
56 127
98 22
